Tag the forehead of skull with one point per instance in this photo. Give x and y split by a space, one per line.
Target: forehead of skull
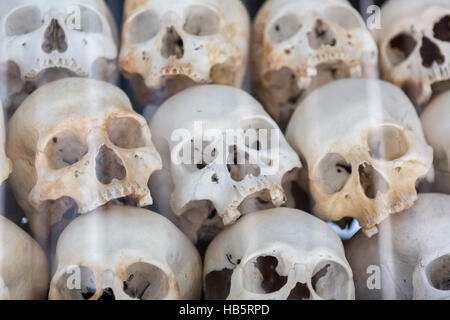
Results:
70 100
7 6
113 234
225 7
347 107
422 228
212 106
295 231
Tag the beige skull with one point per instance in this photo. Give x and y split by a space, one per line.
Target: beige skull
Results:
120 253
171 45
77 144
365 150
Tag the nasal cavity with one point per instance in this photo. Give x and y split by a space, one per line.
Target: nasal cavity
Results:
108 166
371 181
321 35
430 53
108 294
54 38
172 44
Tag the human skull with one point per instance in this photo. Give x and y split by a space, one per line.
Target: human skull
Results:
437 132
42 41
409 258
168 46
223 156
364 147
23 265
277 254
414 43
299 45
121 252
5 163
77 144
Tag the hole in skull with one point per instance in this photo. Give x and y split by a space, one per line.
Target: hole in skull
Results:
146 282
65 149
284 28
371 181
400 48
344 17
255 202
328 72
218 284
107 295
329 281
430 53
143 27
441 29
108 166
438 273
223 73
387 142
126 133
77 284
332 173
300 292
239 166
23 21
261 275
201 21
54 38
90 21
321 35
172 44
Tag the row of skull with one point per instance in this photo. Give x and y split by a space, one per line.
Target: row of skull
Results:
77 151
168 46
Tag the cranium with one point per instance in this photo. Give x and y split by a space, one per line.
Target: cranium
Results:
299 45
277 254
121 252
42 41
414 43
409 258
223 156
168 46
77 144
437 132
23 265
364 146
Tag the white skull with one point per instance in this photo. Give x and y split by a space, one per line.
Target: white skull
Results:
364 146
299 45
171 45
23 265
277 254
5 163
414 43
121 252
43 41
77 144
209 177
409 258
437 132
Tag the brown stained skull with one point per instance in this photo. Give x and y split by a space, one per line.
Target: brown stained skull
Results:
415 47
168 46
76 151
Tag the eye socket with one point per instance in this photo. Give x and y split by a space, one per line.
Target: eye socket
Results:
126 133
438 272
143 27
65 149
146 282
262 276
23 21
343 17
259 134
194 158
332 173
400 48
329 280
284 28
387 142
201 21
90 21
87 284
